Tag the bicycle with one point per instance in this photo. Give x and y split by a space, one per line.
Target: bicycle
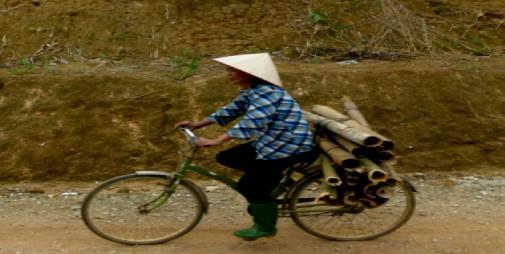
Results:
152 207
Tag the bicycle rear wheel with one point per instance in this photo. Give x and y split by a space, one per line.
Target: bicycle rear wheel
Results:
133 209
335 222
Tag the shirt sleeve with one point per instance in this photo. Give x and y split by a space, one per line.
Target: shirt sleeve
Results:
230 112
258 115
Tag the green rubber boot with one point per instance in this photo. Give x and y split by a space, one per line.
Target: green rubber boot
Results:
265 218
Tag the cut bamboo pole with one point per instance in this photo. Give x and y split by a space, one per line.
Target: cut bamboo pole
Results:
330 175
394 177
375 173
356 136
362 151
386 143
368 202
347 145
350 199
369 190
374 154
386 156
327 192
353 111
352 180
337 154
329 113
384 191
361 170
334 115
357 121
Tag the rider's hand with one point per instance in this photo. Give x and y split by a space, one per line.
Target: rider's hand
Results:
187 124
206 142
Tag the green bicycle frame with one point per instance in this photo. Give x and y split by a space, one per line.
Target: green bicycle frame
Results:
187 165
179 175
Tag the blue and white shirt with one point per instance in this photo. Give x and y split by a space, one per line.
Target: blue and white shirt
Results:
272 116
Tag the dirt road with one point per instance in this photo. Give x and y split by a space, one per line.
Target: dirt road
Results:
456 213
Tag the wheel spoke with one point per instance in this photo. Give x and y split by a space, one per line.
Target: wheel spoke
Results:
112 210
348 224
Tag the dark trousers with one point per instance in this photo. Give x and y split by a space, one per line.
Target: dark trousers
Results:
260 176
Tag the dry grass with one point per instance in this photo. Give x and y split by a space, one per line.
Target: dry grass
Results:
4 44
12 8
388 29
399 28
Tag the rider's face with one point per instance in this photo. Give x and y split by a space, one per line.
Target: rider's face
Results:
239 78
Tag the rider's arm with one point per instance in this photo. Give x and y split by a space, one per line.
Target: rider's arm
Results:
222 117
214 141
194 126
204 122
231 111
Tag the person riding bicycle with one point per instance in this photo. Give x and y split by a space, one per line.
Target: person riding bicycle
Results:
282 136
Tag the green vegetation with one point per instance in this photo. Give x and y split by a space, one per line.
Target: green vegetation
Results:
318 17
25 66
103 56
185 65
322 19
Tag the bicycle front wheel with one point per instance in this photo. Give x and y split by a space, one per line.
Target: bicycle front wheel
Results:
137 209
336 222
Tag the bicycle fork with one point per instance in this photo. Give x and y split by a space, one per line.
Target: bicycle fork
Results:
158 201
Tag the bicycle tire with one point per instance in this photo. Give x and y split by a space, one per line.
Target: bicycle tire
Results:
325 228
112 209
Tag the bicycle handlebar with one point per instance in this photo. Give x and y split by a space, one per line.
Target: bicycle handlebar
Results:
189 134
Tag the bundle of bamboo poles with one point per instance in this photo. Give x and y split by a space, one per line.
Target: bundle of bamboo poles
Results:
356 161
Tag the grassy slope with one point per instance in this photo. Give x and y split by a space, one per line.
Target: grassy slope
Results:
97 122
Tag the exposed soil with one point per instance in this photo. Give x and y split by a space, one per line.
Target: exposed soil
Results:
89 90
456 213
83 121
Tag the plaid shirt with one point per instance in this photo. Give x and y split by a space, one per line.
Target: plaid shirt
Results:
272 116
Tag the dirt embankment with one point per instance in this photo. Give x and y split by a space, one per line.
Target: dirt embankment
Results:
89 89
82 122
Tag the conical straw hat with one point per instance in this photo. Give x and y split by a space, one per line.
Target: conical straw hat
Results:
259 65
